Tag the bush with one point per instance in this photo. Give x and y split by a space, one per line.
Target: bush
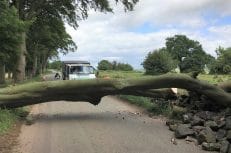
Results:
223 63
158 62
105 65
124 67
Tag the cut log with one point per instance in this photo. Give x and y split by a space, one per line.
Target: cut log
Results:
92 90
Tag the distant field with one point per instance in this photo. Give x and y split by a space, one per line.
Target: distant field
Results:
136 74
121 74
214 78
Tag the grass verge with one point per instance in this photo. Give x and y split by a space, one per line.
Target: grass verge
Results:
153 106
9 116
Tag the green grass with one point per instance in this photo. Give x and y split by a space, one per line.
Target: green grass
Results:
9 116
214 79
154 106
121 74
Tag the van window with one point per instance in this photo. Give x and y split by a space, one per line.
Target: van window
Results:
81 69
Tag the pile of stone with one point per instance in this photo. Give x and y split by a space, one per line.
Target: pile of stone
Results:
207 127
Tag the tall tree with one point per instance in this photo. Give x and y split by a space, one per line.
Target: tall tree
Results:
10 27
189 53
46 37
222 65
69 11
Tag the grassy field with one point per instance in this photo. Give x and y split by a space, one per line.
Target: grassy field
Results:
214 79
121 74
157 107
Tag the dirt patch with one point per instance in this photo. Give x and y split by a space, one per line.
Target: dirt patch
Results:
9 140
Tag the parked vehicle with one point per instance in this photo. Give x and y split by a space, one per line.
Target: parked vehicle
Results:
77 70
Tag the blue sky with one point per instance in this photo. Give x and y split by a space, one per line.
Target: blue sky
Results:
128 37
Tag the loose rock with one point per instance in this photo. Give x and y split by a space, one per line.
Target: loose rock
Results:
224 146
172 127
211 146
229 135
197 121
182 131
212 124
206 135
187 118
228 123
220 134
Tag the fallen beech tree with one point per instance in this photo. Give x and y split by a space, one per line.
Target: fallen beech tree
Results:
93 90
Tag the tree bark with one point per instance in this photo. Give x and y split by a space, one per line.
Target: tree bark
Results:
21 63
92 90
226 86
35 65
2 74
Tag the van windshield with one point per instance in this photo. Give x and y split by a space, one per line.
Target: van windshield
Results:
82 70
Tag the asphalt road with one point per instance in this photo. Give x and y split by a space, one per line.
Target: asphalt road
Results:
111 127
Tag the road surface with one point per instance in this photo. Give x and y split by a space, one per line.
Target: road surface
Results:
111 127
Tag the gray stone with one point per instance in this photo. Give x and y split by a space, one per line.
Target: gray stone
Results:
212 124
191 139
197 121
207 135
206 115
198 128
228 111
172 127
187 118
169 122
229 150
221 124
220 134
229 135
211 146
182 131
224 146
228 123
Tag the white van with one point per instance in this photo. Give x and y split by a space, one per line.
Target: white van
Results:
77 70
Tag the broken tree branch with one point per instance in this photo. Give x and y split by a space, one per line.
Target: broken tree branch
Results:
93 90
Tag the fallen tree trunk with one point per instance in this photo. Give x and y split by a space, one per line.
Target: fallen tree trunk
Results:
92 90
225 86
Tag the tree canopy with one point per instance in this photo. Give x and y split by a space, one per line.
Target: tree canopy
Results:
223 63
158 62
189 53
45 36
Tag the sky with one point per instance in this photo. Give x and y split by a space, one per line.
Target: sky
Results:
128 36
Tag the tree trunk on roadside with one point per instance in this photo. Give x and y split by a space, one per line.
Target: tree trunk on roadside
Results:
9 74
35 66
2 73
21 63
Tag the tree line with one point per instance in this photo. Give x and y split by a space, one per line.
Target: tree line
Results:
188 55
32 32
107 65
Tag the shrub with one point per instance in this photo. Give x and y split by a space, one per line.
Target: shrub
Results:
158 62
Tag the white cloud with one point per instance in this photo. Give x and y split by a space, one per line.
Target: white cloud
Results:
114 36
